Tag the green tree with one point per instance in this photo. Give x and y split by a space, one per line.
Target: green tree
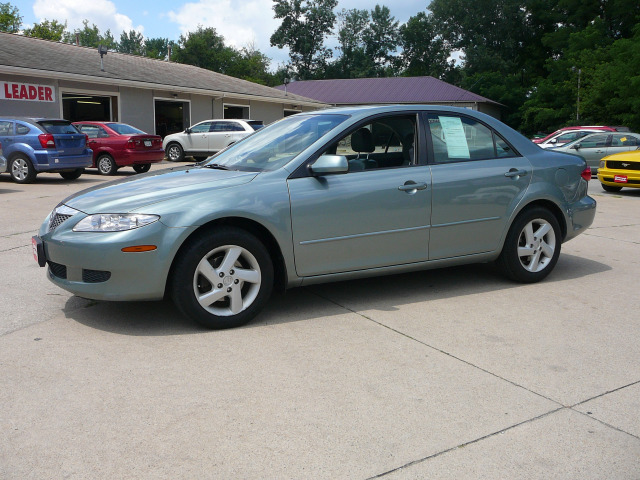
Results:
132 42
90 37
353 61
47 29
157 47
381 38
204 48
304 28
10 19
424 51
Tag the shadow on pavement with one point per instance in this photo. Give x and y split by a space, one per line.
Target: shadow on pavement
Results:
386 293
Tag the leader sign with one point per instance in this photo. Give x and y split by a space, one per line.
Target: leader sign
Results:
26 91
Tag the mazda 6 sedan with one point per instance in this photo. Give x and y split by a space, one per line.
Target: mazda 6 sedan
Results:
317 197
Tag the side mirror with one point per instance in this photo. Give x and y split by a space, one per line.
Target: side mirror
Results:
553 140
327 164
577 146
187 130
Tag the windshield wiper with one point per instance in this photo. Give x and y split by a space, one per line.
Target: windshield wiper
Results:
217 166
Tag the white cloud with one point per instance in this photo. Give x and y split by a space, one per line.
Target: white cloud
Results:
240 23
102 13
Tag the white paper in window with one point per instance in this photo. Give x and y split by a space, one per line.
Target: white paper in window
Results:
456 140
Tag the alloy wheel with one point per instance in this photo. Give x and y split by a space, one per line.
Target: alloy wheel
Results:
536 245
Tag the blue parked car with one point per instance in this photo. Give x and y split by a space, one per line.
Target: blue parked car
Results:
3 161
35 145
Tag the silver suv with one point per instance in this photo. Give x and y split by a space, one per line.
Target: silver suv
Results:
208 137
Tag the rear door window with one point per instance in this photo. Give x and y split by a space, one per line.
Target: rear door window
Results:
6 128
458 138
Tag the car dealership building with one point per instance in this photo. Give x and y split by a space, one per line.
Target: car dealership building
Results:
41 78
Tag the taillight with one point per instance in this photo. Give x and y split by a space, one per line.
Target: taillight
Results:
47 140
586 174
86 139
130 143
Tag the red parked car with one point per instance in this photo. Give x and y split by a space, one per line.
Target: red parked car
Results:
118 145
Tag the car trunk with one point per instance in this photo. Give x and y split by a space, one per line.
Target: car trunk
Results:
145 142
68 140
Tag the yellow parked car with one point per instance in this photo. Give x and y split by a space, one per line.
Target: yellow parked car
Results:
620 170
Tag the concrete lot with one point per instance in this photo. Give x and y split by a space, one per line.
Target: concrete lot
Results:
453 373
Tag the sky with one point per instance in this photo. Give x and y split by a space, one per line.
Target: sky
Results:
241 23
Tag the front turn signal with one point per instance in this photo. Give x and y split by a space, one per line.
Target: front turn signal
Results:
139 248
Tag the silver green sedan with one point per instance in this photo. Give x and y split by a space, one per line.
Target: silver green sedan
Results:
596 146
317 197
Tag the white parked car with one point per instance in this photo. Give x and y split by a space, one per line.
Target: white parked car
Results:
562 138
208 137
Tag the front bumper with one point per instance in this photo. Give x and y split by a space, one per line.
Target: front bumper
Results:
92 265
607 176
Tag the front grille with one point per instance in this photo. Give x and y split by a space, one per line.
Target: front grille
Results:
58 270
95 276
618 165
56 220
622 184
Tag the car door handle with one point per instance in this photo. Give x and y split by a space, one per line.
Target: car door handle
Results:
410 186
514 172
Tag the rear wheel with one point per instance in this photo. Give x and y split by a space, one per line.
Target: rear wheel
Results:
142 167
174 152
106 165
21 170
222 279
532 246
609 188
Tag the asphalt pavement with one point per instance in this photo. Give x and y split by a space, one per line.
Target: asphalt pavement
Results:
454 373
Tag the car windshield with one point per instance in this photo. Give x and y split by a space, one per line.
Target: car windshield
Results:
58 126
275 145
123 129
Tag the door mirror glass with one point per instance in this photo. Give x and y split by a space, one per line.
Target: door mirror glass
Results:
576 146
327 164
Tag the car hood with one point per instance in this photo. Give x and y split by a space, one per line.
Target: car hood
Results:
133 193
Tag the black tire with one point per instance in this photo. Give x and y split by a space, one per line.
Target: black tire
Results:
142 167
21 169
243 285
72 175
609 188
106 164
527 256
174 152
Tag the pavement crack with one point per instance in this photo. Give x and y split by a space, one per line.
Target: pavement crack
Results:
466 444
437 349
609 238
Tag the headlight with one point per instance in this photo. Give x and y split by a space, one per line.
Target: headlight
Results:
114 222
601 163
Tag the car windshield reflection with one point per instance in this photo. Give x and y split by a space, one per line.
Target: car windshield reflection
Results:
275 145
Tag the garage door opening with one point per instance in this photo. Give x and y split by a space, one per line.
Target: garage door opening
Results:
78 107
236 111
171 116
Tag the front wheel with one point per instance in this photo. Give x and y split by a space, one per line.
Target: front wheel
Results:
106 165
222 279
174 152
609 188
142 167
532 246
21 170
73 174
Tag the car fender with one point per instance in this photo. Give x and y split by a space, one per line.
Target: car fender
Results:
20 148
539 193
100 150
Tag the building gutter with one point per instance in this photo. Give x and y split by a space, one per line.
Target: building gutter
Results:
152 86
